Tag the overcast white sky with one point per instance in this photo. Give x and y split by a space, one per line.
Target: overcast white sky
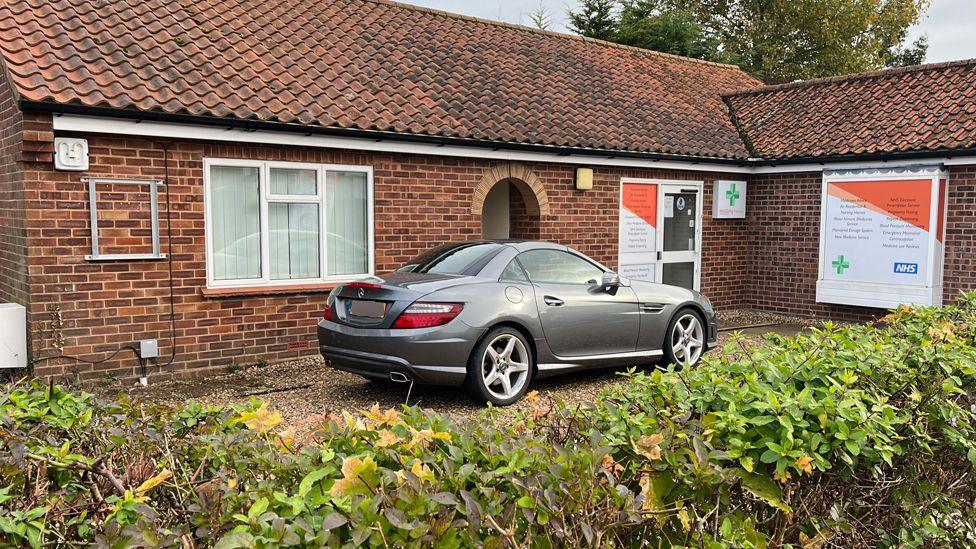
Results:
949 24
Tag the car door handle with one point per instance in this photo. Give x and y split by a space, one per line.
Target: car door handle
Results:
553 301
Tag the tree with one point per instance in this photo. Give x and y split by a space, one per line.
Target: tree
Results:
540 17
905 56
643 23
595 19
776 40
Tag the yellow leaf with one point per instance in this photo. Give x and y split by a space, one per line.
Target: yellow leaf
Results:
262 419
420 470
531 396
387 438
420 439
685 519
154 481
803 464
352 422
647 446
356 473
785 476
382 417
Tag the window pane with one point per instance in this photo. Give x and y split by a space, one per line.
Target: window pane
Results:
679 221
514 272
464 258
293 240
556 267
346 222
290 181
235 194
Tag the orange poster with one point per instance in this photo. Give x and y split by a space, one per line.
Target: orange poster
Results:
641 200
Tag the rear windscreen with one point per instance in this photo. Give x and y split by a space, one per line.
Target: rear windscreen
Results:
455 259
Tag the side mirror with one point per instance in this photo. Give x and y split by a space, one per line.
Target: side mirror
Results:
610 280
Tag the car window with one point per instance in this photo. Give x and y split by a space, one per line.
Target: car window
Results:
557 267
514 272
468 259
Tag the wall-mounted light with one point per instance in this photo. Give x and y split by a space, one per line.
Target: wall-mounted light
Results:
584 179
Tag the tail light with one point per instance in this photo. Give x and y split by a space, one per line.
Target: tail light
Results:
427 315
328 314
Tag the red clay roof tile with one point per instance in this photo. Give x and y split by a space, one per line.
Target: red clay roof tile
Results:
368 64
922 108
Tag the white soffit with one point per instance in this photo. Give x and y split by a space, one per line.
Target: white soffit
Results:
122 126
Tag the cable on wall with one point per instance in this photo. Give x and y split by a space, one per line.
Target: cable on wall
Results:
169 258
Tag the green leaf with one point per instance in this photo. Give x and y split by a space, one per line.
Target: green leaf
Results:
526 502
235 540
258 507
765 489
310 479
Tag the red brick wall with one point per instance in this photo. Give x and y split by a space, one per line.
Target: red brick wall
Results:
13 238
960 232
784 227
420 201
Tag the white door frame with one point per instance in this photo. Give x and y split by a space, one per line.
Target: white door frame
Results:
663 185
683 256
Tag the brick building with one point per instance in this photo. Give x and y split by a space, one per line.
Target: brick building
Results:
204 175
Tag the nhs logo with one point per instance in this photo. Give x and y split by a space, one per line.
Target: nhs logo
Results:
906 268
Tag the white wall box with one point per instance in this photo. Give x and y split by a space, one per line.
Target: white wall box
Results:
13 336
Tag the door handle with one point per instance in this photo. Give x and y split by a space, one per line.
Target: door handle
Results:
553 301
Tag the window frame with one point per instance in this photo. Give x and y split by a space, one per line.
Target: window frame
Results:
266 197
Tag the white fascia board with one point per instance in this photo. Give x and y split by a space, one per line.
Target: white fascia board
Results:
873 165
121 126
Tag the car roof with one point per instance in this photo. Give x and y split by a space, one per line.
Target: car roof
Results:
525 245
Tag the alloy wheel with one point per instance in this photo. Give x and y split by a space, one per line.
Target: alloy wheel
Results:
687 340
505 366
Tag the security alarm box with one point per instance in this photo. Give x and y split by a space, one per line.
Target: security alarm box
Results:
70 154
13 336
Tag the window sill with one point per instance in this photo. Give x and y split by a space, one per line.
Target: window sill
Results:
269 290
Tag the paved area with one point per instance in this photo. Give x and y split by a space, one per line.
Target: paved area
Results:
305 387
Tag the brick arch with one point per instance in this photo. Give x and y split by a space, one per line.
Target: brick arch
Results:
523 178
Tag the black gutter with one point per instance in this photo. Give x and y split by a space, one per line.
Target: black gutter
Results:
260 125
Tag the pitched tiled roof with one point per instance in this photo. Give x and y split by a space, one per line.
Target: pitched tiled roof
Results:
370 65
922 108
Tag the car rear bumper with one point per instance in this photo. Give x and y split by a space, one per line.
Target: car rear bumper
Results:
436 356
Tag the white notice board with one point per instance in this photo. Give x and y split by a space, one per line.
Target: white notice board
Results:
881 237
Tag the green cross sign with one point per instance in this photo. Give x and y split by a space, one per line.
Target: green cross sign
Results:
732 195
840 264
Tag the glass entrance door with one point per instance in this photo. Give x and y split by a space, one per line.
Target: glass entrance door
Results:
679 239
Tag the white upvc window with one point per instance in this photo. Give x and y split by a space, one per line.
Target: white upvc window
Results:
281 223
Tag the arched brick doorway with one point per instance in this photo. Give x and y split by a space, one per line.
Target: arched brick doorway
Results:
510 200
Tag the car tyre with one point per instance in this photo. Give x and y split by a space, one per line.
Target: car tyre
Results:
500 368
684 341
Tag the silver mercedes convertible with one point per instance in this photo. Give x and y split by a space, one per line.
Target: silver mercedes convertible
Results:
494 315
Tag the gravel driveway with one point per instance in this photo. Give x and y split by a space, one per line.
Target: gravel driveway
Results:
304 387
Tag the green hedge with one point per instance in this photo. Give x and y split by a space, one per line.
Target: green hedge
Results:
854 436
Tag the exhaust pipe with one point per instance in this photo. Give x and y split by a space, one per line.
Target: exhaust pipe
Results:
399 377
